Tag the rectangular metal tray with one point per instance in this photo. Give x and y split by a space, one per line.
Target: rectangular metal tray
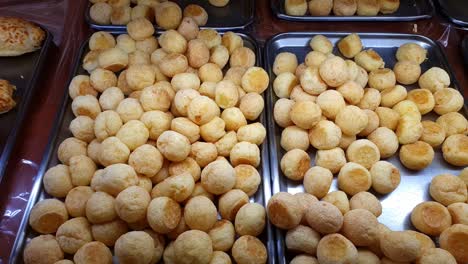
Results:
414 186
61 132
237 15
409 10
23 72
455 10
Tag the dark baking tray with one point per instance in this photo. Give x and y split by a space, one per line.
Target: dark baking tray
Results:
237 15
455 10
23 72
61 132
409 10
414 185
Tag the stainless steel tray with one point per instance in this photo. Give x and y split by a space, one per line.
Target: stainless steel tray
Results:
414 186
237 15
455 10
409 10
61 132
23 72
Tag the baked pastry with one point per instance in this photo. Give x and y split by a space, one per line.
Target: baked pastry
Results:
6 95
18 36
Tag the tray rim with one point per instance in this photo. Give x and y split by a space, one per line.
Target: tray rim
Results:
457 21
276 12
21 235
274 162
23 107
123 28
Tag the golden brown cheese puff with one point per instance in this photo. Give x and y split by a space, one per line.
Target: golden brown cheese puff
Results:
324 217
251 105
320 7
200 213
354 178
433 133
109 232
86 105
196 12
247 179
168 15
295 163
311 81
218 177
254 133
222 235
302 239
385 140
459 213
334 71
255 79
434 79
344 7
317 181
188 28
431 218
293 137
121 15
400 246
425 240
392 96
135 246
464 175
183 183
412 52
163 214
107 124
455 150
47 215
220 257
361 227
304 259
325 135
219 3
172 41
57 181
331 102
370 100
389 6
305 114
448 189
76 200
142 11
338 199
363 152
101 13
232 41
367 7
285 62
388 117
115 178
100 208
321 44
281 112
385 177
453 123
295 7
335 248
193 246
366 201
369 59
352 92
382 79
73 234
436 255
93 253
351 120
81 85
448 100
41 250
367 257
407 72
453 239
131 204
417 155
284 210
211 37
409 130
423 99
250 219
101 41
284 83
350 45
140 29
332 159
249 249
203 153
346 140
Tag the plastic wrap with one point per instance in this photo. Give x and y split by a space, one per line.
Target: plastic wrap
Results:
65 20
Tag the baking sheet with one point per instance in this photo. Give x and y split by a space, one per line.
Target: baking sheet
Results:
61 132
23 72
409 10
236 15
414 186
455 10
